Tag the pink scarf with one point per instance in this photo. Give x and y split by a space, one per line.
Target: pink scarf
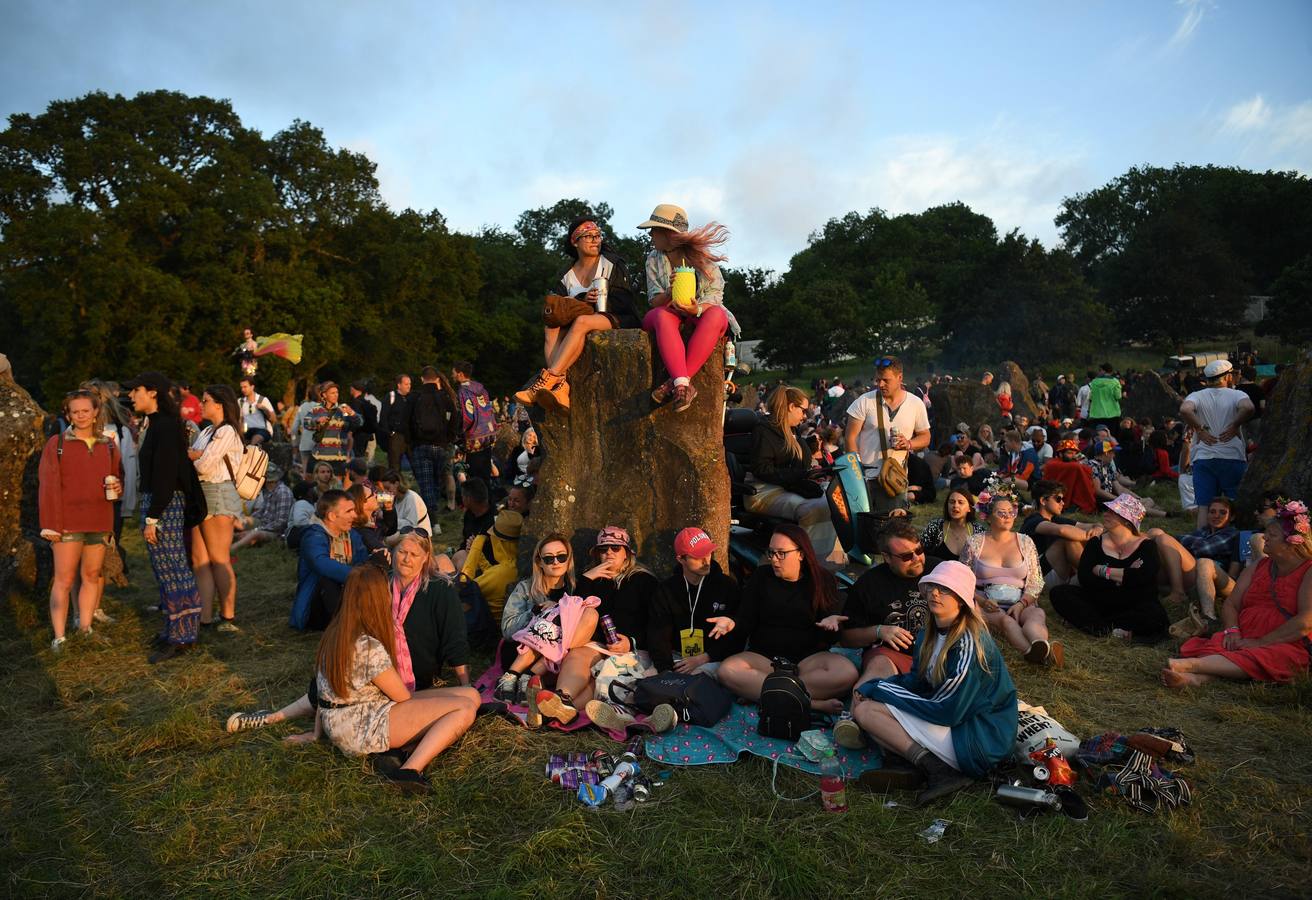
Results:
402 600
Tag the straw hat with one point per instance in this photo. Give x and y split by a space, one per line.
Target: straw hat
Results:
669 216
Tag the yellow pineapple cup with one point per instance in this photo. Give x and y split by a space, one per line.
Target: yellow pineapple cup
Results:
683 289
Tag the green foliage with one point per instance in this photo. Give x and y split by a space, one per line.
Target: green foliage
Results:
1175 253
1288 312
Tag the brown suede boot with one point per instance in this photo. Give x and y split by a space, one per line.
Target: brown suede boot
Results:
558 391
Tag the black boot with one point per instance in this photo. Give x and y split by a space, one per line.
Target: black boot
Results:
941 779
896 774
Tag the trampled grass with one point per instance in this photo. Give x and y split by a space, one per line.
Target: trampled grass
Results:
119 780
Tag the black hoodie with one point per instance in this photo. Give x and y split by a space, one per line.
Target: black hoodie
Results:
670 614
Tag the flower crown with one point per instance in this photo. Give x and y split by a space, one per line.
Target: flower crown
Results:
995 489
1293 518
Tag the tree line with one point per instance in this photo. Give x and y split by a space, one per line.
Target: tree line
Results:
146 232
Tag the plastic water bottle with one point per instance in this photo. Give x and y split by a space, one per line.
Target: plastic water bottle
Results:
833 785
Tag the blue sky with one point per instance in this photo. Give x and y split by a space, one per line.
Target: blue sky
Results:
771 118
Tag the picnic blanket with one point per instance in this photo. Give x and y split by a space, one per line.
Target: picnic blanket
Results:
734 735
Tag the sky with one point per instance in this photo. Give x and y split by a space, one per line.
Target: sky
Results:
771 118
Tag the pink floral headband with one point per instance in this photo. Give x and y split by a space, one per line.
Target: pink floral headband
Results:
995 489
1293 518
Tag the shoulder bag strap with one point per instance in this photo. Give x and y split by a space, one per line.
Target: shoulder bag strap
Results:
883 436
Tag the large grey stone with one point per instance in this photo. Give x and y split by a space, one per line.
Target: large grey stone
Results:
960 401
1282 462
1148 394
614 459
1021 401
21 439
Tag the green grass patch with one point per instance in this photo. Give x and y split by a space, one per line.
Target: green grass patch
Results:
119 780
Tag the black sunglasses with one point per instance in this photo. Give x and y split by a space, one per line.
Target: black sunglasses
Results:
411 529
553 558
910 554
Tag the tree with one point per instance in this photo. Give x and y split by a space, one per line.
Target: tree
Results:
1288 312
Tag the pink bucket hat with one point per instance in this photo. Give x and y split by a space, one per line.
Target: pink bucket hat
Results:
956 577
1128 508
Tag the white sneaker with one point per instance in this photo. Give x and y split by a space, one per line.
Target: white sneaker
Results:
102 617
58 644
608 716
663 718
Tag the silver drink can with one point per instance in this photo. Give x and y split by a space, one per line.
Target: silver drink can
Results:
600 285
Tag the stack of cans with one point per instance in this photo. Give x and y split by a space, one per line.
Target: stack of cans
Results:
569 770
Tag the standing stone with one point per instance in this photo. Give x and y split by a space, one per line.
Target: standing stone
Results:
960 401
1282 462
21 440
1147 394
614 459
1021 401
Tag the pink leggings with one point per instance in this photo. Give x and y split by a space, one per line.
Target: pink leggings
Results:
666 324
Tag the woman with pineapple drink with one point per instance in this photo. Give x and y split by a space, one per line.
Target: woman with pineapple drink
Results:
686 291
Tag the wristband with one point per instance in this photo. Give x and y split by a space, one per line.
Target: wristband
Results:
879 634
1232 630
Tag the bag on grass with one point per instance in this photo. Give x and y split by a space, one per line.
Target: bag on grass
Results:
698 699
617 678
785 704
1033 728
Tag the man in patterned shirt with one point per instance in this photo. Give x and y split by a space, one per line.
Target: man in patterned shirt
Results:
273 510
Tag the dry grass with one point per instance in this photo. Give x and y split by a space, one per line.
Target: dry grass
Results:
120 781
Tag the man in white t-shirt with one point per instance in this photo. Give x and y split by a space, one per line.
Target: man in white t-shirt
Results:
1219 457
256 413
1082 397
906 426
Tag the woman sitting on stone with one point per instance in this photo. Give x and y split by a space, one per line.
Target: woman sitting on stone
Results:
1267 619
592 259
1117 590
780 469
953 717
675 247
1008 580
945 537
789 610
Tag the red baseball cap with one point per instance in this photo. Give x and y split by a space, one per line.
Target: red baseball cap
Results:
693 542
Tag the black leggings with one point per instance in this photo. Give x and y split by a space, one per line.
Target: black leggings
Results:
1138 613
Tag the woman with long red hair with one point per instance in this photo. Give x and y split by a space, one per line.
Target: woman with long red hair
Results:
363 703
676 247
789 610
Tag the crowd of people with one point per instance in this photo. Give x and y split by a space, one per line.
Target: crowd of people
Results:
908 656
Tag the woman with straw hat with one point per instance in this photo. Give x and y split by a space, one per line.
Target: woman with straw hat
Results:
679 257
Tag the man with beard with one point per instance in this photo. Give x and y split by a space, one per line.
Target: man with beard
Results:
885 610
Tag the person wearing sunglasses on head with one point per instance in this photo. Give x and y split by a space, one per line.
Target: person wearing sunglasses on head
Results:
593 295
1059 539
884 421
885 610
1008 577
789 609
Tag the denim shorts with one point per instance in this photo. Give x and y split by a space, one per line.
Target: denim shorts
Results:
1216 477
851 654
221 499
90 538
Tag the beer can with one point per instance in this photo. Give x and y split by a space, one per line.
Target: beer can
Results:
569 779
588 777
577 761
612 636
555 767
602 287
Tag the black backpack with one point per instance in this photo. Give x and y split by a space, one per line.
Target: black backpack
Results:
429 419
785 704
698 699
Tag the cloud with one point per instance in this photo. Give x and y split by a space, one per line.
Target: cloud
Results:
1193 17
1246 116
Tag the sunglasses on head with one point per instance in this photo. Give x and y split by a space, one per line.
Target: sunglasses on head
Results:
552 559
918 550
883 362
412 529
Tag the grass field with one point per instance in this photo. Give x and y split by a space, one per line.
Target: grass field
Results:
119 780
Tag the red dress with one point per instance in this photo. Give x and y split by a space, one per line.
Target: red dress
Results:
1263 611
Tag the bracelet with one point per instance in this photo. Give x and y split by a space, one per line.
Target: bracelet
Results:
879 634
1233 629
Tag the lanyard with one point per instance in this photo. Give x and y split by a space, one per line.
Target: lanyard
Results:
692 602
